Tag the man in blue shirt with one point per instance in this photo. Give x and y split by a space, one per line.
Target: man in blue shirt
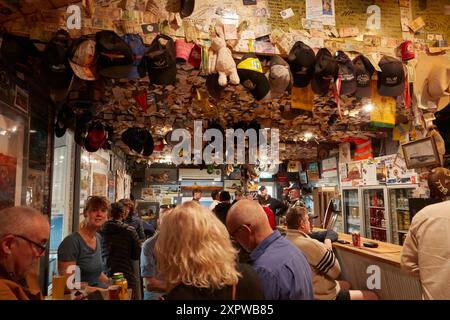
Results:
283 269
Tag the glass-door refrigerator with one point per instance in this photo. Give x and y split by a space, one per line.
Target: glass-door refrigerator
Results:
351 210
377 220
399 211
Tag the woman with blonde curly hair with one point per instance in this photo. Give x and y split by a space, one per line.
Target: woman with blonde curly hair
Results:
195 254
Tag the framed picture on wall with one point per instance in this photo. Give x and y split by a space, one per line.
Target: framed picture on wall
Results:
21 99
421 153
303 177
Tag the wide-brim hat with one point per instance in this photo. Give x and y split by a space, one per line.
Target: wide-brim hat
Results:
436 88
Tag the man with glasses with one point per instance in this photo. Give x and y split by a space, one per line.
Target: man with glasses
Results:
282 268
24 234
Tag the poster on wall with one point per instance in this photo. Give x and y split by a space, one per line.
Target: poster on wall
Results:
6 87
313 171
35 189
21 99
8 167
161 176
369 172
329 168
111 187
354 175
232 185
120 185
99 184
321 10
85 182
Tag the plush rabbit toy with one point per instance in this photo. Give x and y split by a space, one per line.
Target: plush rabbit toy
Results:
221 60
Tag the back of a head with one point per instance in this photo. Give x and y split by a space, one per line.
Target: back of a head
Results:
117 210
247 212
294 216
195 260
214 194
225 196
19 220
128 203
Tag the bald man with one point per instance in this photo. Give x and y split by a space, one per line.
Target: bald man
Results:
283 269
24 234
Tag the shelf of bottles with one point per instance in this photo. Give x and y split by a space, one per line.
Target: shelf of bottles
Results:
400 215
375 211
351 211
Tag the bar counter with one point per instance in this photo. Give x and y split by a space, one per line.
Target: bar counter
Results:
359 264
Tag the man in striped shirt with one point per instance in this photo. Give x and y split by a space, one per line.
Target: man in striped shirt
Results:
324 264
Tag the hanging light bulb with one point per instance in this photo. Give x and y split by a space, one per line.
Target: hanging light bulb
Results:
368 107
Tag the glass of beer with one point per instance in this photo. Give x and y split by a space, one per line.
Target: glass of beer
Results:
58 287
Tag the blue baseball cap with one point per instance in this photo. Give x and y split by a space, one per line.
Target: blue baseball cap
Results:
138 50
294 185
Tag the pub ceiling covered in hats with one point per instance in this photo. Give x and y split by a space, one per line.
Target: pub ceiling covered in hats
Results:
145 64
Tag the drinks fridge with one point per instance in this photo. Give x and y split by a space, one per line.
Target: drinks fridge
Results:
351 210
377 220
399 211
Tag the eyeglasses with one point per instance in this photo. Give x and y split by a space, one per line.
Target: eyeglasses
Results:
236 230
41 248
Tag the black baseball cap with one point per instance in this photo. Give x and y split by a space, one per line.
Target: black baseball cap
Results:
56 68
64 119
262 188
347 73
187 7
326 70
161 61
301 60
252 77
363 74
115 57
391 79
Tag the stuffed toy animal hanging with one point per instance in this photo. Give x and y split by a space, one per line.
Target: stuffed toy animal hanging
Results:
221 60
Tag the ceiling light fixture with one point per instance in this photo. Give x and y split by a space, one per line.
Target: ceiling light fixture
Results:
368 107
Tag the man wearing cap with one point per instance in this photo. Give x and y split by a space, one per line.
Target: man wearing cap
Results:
277 206
295 197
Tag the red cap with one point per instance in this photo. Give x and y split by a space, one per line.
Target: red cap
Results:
195 57
159 145
407 50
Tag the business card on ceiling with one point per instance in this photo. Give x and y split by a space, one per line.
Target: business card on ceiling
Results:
150 28
287 13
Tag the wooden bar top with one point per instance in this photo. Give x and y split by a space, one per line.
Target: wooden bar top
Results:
385 252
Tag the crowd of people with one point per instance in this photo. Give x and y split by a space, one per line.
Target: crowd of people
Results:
227 251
